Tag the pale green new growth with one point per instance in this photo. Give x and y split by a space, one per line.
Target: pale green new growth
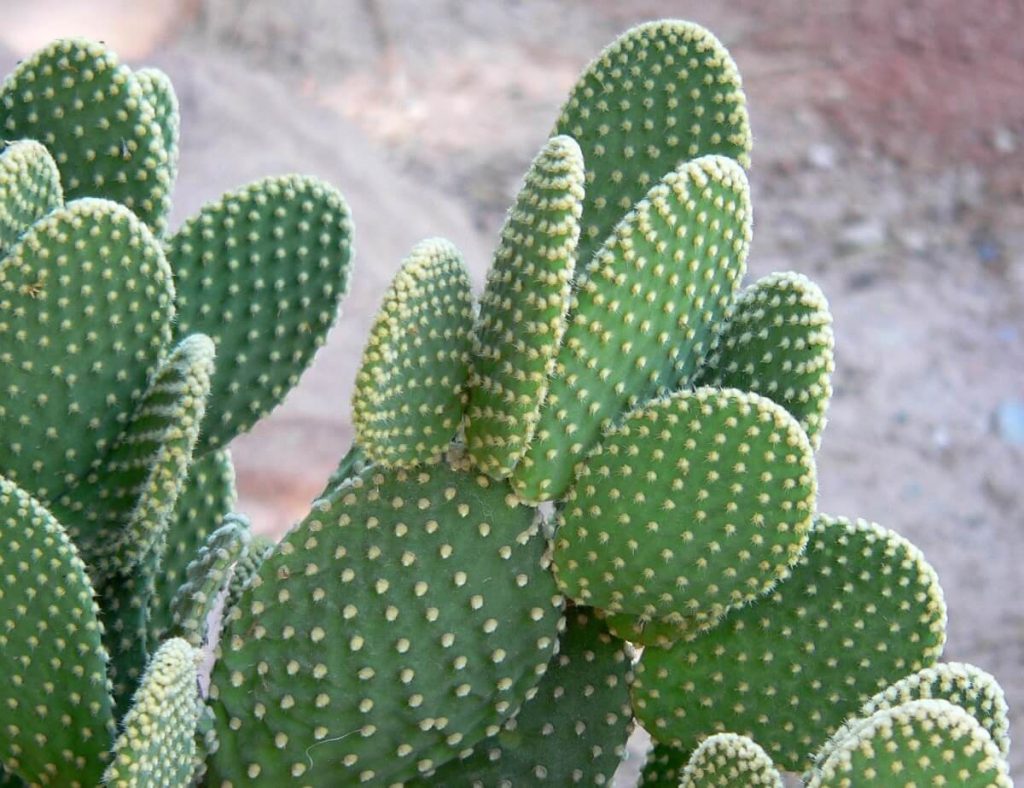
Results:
728 760
29 189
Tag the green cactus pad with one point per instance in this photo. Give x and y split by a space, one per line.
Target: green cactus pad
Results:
208 496
963 685
29 189
407 618
861 609
573 731
55 693
410 388
642 313
660 94
123 509
86 302
92 114
159 92
248 567
157 745
261 271
777 341
523 309
353 463
663 767
729 760
207 576
697 503
922 742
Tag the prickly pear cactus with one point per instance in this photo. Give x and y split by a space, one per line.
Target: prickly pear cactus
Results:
726 759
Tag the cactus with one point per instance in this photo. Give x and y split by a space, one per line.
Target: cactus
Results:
616 448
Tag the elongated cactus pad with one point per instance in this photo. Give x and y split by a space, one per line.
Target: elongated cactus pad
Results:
664 767
523 309
729 760
660 94
262 271
208 496
642 313
922 742
247 567
206 577
410 388
55 694
122 510
157 744
159 92
353 463
86 302
963 685
29 189
573 731
697 503
407 618
861 609
92 114
777 341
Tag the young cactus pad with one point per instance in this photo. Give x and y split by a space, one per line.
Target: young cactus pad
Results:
407 618
642 312
262 272
86 310
922 742
698 502
410 388
57 718
727 760
29 189
523 309
860 610
90 111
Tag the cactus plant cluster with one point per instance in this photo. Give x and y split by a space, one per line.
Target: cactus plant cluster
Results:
584 501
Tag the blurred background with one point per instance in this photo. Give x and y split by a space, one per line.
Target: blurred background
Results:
888 166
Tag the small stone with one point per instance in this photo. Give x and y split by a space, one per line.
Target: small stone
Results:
861 235
822 156
1009 422
1004 140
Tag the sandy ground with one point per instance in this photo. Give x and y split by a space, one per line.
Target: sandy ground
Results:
907 209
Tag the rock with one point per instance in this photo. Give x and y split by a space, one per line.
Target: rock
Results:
861 235
1004 140
1009 422
822 156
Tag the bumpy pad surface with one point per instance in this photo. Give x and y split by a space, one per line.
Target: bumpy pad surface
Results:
660 94
92 114
777 341
121 511
698 502
663 767
923 742
402 622
642 313
248 566
262 272
209 494
86 302
729 761
410 388
29 189
55 694
206 577
157 744
159 92
861 609
573 731
523 309
963 685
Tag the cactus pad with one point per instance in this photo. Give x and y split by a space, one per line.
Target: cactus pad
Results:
86 302
92 114
660 94
861 609
642 313
697 503
410 388
29 189
663 767
277 252
777 341
922 742
247 567
157 745
207 576
523 309
403 621
573 731
55 694
159 92
729 760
